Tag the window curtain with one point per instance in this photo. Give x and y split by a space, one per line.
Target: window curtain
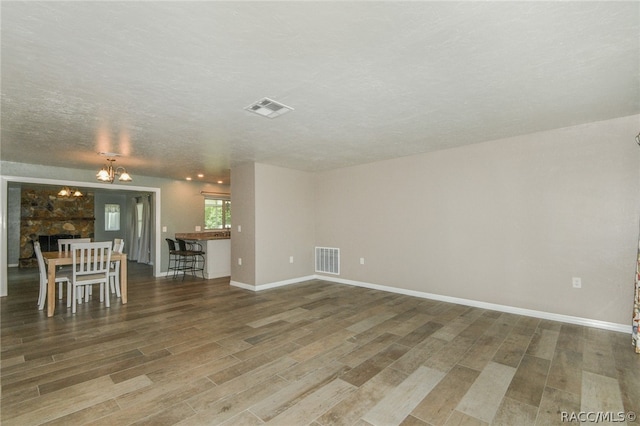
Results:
144 240
138 237
636 307
131 238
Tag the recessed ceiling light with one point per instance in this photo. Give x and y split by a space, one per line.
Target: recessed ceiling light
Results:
200 175
268 108
219 181
188 178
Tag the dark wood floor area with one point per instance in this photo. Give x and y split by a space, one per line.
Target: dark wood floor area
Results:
198 352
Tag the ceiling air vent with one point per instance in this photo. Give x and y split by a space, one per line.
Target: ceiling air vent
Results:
268 108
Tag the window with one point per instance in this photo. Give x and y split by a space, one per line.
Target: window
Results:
217 214
112 217
139 218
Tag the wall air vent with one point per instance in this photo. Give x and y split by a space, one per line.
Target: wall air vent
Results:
268 108
328 260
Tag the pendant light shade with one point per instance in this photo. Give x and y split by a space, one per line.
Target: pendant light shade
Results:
108 173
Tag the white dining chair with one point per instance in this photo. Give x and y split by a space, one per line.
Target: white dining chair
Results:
114 270
91 263
61 277
64 246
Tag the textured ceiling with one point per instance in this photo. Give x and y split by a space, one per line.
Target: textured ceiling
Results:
166 83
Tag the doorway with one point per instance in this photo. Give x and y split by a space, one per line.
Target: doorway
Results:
11 216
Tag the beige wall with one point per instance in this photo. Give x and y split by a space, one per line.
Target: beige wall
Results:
243 208
275 208
508 222
284 224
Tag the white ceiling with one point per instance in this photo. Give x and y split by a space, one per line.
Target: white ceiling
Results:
166 83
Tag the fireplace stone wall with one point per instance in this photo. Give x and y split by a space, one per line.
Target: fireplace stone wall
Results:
43 213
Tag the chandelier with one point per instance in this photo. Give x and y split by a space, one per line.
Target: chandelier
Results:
67 192
108 173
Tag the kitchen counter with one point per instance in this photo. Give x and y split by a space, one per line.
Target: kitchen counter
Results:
217 248
204 235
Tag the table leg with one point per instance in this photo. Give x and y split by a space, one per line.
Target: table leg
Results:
123 280
51 290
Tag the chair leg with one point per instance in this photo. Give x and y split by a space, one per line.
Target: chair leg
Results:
179 265
42 294
74 297
114 282
107 294
176 265
189 265
172 259
202 267
185 266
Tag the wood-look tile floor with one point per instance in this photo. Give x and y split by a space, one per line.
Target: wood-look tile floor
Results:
198 352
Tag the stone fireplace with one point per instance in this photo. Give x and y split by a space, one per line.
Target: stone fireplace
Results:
50 242
46 217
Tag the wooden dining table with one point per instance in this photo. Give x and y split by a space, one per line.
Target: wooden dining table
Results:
53 259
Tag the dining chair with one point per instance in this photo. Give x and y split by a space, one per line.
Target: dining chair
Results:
91 263
64 246
61 277
114 269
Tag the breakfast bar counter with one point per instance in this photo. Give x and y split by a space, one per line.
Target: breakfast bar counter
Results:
217 247
204 235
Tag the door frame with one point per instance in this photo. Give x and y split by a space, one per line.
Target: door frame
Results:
4 232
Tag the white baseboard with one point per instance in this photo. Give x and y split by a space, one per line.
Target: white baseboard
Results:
272 285
588 322
13 265
242 285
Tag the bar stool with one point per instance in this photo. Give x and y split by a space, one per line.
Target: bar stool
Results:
191 254
174 257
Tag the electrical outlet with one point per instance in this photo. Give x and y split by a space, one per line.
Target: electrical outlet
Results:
577 282
362 260
290 259
240 261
